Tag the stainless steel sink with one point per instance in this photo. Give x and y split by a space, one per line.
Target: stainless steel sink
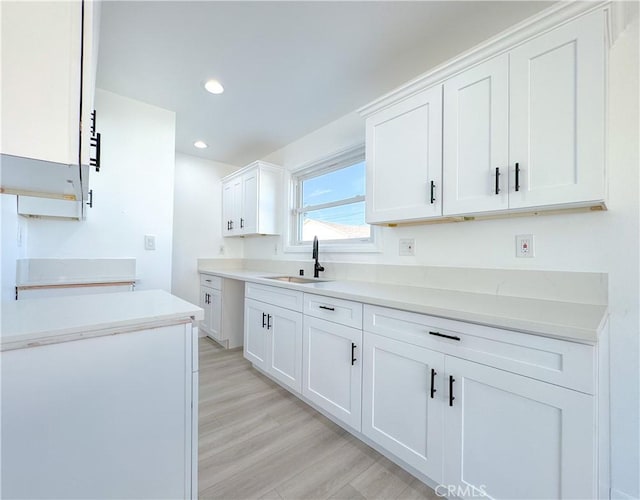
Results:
295 279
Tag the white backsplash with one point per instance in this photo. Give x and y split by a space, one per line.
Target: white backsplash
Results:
577 287
43 271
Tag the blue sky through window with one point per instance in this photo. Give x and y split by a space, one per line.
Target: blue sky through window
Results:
341 222
337 185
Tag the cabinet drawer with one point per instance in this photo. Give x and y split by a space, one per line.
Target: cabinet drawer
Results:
283 297
211 281
559 362
340 311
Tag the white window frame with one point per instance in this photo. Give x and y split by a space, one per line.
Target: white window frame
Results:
335 161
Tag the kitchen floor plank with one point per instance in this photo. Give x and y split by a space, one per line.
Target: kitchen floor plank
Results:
323 478
257 440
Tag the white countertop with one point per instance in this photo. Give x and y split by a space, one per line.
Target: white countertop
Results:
43 321
549 318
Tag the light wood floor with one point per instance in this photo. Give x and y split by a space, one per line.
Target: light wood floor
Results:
259 441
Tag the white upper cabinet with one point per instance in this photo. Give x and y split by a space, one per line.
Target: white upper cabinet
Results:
404 159
45 47
535 116
476 135
519 126
557 120
49 60
251 200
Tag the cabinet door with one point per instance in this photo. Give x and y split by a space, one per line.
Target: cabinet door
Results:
228 206
249 215
215 315
255 333
515 437
284 359
237 207
476 121
204 303
557 115
41 80
332 368
404 159
399 409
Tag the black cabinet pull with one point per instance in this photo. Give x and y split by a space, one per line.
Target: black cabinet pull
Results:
433 379
96 142
241 222
433 188
269 325
231 224
497 180
93 123
327 308
264 317
208 281
438 334
353 354
451 396
90 202
517 176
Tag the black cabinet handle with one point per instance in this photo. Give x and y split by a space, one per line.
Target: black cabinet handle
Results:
517 176
451 396
353 354
433 379
438 334
327 308
497 180
208 281
90 202
264 317
433 188
231 224
269 325
241 223
96 142
93 123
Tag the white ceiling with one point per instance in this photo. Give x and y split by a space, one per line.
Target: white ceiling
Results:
288 67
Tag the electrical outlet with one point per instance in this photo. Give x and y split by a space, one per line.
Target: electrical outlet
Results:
524 245
407 247
149 241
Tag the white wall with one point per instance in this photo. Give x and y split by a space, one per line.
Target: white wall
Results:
596 242
197 221
133 194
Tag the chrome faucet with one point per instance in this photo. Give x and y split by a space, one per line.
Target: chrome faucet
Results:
317 268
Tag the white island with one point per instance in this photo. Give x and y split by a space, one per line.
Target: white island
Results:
100 397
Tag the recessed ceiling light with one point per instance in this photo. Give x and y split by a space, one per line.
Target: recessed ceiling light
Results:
214 86
200 144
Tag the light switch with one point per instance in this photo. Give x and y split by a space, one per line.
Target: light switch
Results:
149 241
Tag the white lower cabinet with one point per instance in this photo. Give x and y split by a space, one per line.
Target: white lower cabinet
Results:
332 368
402 409
106 417
222 301
479 411
476 429
513 437
273 341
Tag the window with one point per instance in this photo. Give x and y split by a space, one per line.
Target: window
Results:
329 201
